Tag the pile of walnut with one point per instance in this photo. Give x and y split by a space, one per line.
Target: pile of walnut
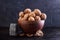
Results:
35 15
29 15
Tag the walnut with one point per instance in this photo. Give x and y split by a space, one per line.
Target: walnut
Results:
21 14
37 12
27 10
31 19
29 35
43 16
25 16
37 18
32 14
39 33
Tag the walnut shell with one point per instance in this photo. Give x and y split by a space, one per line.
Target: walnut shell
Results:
29 35
32 14
43 16
26 16
39 33
37 18
21 14
37 12
27 10
31 19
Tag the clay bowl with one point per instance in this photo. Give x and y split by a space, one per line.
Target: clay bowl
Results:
31 26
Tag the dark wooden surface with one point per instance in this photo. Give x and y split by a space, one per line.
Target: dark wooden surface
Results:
49 34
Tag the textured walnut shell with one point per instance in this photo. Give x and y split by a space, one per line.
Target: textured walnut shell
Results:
39 33
26 16
21 14
43 16
31 19
37 18
37 12
27 10
32 14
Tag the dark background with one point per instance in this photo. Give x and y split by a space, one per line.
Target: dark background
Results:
9 10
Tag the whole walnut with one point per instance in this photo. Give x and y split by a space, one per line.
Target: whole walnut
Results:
26 17
37 18
27 10
39 33
21 14
37 12
31 19
43 16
